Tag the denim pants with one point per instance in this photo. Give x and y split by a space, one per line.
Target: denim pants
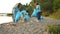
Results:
38 15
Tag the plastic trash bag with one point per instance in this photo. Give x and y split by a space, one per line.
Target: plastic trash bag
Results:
27 17
34 14
18 16
41 17
38 8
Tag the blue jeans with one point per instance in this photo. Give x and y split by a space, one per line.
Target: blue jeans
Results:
38 15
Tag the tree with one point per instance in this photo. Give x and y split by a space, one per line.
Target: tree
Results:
56 5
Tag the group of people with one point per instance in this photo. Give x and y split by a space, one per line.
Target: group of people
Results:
24 15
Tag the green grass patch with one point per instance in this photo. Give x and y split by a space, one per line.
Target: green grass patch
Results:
56 14
53 29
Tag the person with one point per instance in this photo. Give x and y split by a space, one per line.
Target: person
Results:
18 17
26 16
17 13
16 8
23 15
38 10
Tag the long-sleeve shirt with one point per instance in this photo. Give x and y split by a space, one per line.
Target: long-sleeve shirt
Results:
38 8
15 11
16 14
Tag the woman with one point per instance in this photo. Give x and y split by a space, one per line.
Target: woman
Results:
17 13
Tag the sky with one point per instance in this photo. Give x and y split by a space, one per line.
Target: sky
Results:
7 5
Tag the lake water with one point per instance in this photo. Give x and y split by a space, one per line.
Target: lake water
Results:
5 19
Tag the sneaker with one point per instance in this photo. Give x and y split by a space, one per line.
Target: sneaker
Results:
37 20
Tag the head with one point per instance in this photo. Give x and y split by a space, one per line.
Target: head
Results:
19 4
36 3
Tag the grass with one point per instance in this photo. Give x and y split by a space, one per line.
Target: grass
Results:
53 29
56 15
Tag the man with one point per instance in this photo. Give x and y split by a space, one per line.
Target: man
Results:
38 10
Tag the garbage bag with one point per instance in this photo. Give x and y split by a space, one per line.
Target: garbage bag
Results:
18 16
34 14
41 17
27 17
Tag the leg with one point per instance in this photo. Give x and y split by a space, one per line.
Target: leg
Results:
38 15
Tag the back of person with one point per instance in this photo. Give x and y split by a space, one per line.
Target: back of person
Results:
38 11
26 16
24 12
16 13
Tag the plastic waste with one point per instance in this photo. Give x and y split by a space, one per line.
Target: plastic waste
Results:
27 17
18 16
41 18
34 14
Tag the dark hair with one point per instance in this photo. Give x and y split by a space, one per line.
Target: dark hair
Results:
27 11
37 3
19 4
